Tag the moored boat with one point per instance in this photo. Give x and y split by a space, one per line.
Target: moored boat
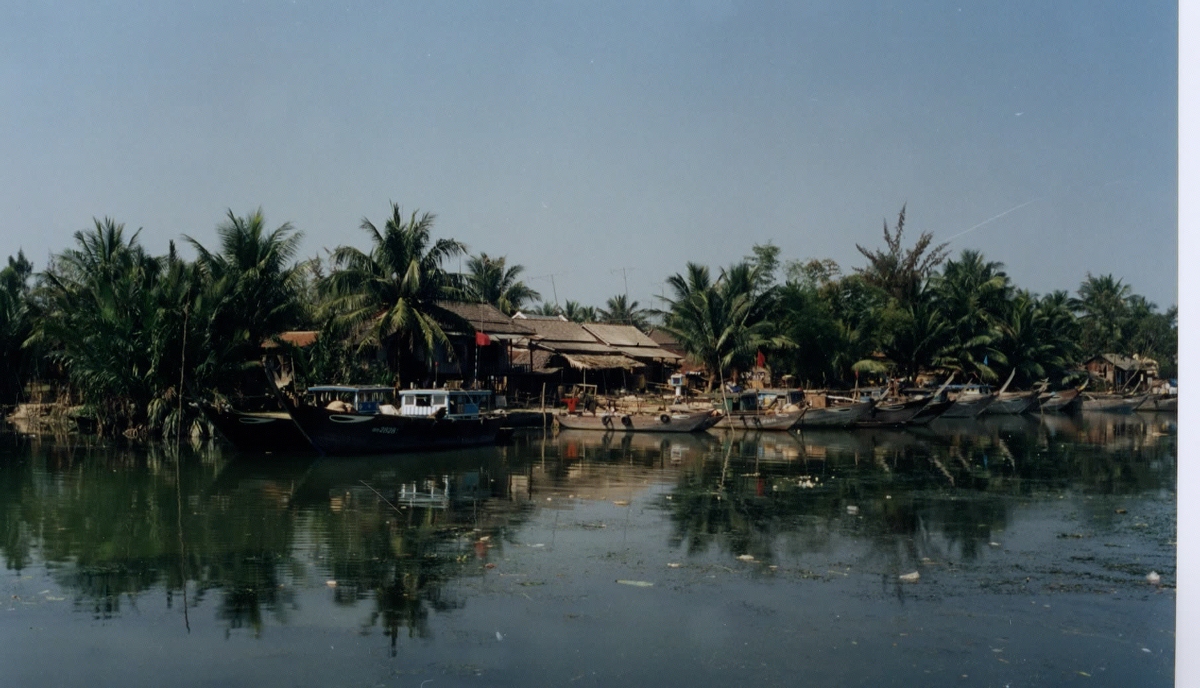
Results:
894 413
1012 403
969 404
258 432
838 413
932 410
1111 403
617 421
345 420
759 420
1062 401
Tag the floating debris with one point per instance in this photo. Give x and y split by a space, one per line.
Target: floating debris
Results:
910 577
621 502
852 510
746 557
498 636
331 583
994 544
1122 511
1153 578
636 583
674 565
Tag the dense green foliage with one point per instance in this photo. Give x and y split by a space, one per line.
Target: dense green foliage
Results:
133 336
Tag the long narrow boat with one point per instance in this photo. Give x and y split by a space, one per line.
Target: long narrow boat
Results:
893 413
616 421
1063 401
1012 403
1111 403
1162 403
363 420
258 432
760 420
931 411
969 405
842 415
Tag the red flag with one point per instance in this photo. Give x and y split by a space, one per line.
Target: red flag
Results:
761 360
481 339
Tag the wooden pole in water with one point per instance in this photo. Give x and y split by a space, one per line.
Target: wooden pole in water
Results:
543 406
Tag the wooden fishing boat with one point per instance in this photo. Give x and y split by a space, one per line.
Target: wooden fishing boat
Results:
838 413
617 421
932 410
1111 403
893 413
1062 401
1162 403
969 404
258 432
759 420
1012 403
345 420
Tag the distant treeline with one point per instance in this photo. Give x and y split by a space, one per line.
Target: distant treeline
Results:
131 336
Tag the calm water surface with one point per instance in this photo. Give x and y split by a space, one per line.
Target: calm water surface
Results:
584 559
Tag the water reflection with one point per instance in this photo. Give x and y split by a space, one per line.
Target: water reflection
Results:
397 536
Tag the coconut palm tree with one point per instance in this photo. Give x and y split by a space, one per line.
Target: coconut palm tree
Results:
721 323
621 311
392 295
490 280
1103 311
575 312
973 295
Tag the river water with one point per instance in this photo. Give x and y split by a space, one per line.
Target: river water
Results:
585 559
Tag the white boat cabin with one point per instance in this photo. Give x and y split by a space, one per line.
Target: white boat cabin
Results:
446 403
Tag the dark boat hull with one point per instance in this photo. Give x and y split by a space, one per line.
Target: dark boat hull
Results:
891 414
350 434
257 432
930 412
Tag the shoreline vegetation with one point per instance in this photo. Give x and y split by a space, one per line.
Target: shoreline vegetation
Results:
127 339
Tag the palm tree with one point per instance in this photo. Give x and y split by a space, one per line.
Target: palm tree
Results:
721 323
1103 311
973 296
16 324
248 291
899 272
490 280
620 310
575 312
112 320
392 295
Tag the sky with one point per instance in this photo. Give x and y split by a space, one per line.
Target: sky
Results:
605 145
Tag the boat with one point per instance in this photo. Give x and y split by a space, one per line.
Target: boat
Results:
893 413
839 412
1111 403
341 420
1162 403
257 431
669 420
1012 403
1062 401
932 410
760 410
759 420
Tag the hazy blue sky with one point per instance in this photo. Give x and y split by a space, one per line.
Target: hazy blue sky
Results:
580 139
